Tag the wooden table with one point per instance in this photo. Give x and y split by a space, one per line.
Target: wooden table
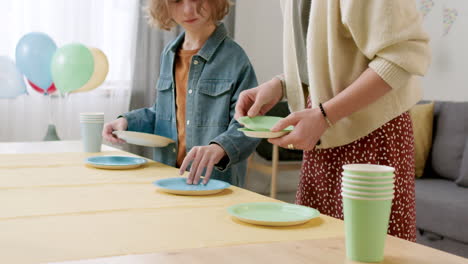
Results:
54 208
45 147
317 251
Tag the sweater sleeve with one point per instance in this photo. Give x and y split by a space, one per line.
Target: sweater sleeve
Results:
390 34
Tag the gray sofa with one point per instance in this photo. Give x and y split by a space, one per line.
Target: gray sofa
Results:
442 191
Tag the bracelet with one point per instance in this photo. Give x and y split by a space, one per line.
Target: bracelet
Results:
325 115
280 77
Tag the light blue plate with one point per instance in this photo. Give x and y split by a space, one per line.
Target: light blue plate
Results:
178 185
115 162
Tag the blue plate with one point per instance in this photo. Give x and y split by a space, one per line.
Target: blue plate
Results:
115 162
178 185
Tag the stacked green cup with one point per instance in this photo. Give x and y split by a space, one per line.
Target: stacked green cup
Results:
367 192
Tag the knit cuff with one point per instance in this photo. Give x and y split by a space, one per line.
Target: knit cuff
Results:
231 149
391 73
133 122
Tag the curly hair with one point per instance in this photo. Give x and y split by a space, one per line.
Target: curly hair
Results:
159 16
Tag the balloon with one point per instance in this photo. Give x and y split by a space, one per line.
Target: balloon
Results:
101 68
72 67
49 90
11 80
34 54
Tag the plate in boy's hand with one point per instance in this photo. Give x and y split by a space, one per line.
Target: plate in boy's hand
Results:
178 185
261 133
143 139
263 123
115 162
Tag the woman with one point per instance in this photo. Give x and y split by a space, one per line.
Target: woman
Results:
202 74
350 78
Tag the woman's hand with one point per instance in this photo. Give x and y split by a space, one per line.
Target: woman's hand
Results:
202 157
259 100
118 124
309 125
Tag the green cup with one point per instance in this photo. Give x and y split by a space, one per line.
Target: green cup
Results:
368 178
389 183
366 223
368 170
367 189
366 194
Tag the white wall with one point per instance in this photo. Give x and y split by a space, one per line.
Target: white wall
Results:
259 26
447 78
259 31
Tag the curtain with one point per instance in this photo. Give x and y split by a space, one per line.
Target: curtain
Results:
109 25
230 19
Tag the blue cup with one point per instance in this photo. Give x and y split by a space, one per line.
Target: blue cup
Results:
91 136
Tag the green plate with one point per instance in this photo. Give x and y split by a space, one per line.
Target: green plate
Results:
273 214
261 123
262 133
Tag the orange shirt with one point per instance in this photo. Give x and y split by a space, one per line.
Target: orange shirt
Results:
182 68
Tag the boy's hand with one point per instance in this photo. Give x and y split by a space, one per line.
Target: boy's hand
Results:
118 124
202 157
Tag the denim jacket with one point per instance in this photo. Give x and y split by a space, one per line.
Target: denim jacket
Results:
218 73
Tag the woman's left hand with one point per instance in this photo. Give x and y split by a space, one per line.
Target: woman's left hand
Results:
309 125
202 157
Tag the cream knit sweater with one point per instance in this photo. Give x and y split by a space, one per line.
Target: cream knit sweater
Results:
344 38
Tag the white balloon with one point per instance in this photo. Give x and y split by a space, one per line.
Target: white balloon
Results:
11 80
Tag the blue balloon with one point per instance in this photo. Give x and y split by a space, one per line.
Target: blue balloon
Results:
11 80
34 54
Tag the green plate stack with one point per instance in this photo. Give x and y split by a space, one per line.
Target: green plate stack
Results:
260 126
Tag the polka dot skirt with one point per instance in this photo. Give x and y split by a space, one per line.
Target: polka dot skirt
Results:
391 145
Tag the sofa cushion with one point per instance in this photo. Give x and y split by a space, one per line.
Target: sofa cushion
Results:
449 138
442 243
462 179
422 116
442 208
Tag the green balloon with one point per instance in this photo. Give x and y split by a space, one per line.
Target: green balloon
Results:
72 67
